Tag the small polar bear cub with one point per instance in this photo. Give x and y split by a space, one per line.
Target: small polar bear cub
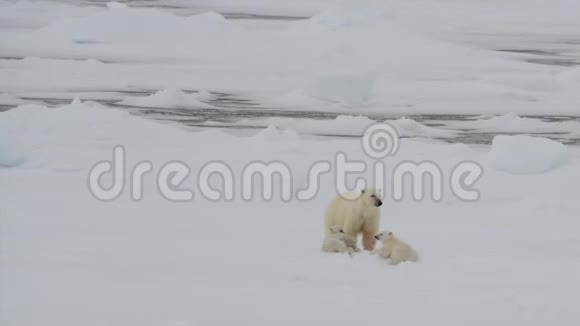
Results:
394 248
338 241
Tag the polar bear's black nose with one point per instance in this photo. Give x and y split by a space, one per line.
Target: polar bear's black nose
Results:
377 237
378 203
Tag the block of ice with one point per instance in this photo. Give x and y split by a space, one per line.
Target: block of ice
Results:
525 154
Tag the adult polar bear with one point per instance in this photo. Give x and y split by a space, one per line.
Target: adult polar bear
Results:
356 212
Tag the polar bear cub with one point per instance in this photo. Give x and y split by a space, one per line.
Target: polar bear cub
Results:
394 248
338 241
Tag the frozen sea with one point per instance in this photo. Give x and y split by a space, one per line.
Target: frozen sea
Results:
489 86
246 111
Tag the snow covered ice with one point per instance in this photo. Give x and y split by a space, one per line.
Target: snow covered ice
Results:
493 83
525 154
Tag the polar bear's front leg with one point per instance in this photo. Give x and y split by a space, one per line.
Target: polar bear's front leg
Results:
369 230
369 241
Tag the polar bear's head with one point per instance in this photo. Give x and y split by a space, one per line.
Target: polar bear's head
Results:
385 235
372 196
335 229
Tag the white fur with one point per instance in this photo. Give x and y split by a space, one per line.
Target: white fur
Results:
338 241
333 244
356 213
394 249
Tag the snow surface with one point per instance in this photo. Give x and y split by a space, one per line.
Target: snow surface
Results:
69 259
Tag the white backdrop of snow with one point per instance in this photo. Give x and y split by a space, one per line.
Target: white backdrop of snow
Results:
69 259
